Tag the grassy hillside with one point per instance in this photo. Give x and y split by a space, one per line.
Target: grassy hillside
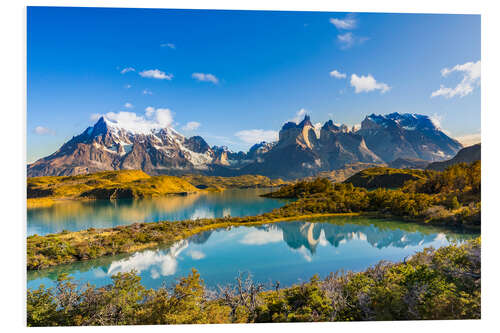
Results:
220 183
381 177
103 185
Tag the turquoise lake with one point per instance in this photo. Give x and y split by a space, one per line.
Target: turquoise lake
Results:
288 252
78 215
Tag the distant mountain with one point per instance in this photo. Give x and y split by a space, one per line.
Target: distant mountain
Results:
407 135
466 155
108 146
301 151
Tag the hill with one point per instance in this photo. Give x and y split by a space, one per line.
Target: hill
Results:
104 185
465 155
381 177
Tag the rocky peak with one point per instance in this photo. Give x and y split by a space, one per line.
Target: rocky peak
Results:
301 134
197 144
305 122
330 126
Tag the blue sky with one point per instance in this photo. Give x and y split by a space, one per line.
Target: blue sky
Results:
234 77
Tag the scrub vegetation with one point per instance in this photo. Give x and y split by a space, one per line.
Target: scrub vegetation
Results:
433 284
451 197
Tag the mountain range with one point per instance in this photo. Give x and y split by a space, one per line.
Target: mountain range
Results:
302 149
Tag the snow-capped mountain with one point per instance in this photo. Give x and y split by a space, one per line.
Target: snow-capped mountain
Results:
407 135
302 149
108 146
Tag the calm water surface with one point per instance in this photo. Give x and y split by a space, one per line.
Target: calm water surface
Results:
74 216
289 252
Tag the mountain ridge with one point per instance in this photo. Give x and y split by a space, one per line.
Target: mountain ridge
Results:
302 150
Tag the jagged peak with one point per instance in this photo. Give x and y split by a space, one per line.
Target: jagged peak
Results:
330 125
302 124
306 121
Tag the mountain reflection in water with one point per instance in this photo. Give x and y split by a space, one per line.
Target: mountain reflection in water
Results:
289 250
81 215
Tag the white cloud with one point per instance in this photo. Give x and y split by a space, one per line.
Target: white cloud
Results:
367 83
191 126
469 139
257 135
471 79
346 40
156 118
336 74
150 111
128 86
305 253
347 23
349 39
261 237
95 116
156 74
40 130
157 262
205 77
128 105
436 119
127 69
169 45
299 116
147 92
196 255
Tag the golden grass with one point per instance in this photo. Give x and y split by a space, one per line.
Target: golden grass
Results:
39 202
135 183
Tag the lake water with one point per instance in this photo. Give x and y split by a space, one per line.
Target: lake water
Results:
288 252
78 215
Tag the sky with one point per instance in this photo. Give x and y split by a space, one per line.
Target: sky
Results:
235 77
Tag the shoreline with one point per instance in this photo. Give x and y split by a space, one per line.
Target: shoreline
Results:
160 233
91 235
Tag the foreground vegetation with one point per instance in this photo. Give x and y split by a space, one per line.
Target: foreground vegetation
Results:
433 284
451 197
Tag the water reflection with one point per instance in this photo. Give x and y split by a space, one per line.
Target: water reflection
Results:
76 216
291 250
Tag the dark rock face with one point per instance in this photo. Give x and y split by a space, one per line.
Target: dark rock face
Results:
197 144
466 155
302 149
339 147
